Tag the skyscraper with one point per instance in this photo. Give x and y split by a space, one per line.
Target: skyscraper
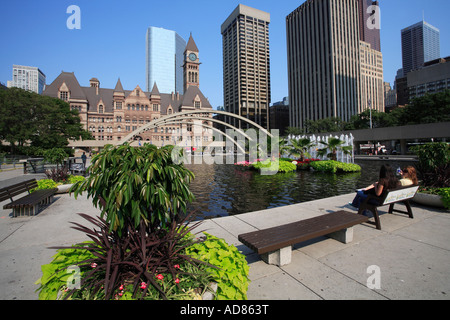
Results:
420 44
27 78
368 30
164 60
323 49
246 64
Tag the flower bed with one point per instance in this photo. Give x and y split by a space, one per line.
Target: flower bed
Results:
142 247
305 164
226 277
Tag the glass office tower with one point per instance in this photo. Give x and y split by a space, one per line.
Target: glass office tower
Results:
420 44
164 60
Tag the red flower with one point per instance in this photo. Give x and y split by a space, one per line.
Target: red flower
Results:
143 285
160 277
177 280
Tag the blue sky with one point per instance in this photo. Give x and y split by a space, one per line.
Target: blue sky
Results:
111 41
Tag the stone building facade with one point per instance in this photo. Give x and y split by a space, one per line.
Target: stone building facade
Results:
112 114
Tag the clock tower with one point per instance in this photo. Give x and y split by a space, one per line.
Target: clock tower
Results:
191 65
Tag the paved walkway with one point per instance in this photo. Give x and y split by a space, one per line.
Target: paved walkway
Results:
411 255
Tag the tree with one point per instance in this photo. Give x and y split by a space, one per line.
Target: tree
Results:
300 147
334 144
430 108
362 120
40 121
333 124
294 131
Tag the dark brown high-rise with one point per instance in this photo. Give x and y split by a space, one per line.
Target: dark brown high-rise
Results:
368 32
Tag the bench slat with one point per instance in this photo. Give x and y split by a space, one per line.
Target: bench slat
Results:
16 189
268 240
31 199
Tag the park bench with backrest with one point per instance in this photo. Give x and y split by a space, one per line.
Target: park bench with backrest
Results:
28 204
274 245
392 197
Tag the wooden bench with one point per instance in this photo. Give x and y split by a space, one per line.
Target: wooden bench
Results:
393 196
28 204
274 245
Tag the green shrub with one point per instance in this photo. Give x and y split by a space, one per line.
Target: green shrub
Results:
445 196
55 275
45 184
74 179
232 272
333 166
282 166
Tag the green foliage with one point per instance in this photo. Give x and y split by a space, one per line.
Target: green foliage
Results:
332 166
334 144
379 120
432 155
429 108
333 124
232 272
55 155
55 275
300 147
280 166
45 184
75 179
137 184
434 164
24 114
445 196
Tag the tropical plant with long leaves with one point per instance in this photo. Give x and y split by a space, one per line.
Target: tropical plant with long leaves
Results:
131 185
333 145
300 148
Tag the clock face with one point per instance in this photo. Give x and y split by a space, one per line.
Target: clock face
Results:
192 56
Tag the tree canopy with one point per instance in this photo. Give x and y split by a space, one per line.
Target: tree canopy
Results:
430 108
38 121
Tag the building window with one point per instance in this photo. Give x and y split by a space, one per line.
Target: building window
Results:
100 108
155 108
197 104
64 95
119 105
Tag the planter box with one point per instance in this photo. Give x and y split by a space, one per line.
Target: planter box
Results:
64 188
432 200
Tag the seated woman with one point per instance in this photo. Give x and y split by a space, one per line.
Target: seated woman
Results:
387 180
409 176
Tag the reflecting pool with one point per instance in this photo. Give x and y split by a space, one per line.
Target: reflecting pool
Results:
223 190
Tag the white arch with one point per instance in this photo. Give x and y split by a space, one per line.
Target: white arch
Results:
209 127
185 114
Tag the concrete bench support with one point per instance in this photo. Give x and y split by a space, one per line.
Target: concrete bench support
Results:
283 256
279 257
